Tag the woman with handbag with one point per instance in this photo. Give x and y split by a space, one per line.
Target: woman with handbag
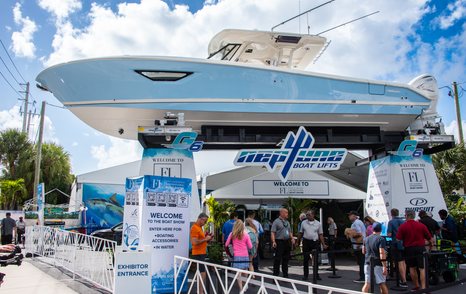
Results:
241 242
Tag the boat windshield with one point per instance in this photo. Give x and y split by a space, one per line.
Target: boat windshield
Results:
225 53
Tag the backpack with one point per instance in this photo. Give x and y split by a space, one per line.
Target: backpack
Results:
253 237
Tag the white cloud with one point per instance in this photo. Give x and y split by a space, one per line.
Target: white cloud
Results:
120 151
61 9
74 144
452 129
12 119
454 12
22 41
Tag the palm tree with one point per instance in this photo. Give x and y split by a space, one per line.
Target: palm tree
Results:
13 193
56 171
295 208
15 149
450 167
219 213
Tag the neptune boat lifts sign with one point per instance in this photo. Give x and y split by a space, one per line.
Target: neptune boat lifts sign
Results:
296 153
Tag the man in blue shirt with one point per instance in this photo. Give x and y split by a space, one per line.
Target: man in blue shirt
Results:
228 226
396 247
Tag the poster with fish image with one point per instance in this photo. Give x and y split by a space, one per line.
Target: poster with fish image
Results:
104 204
132 213
166 212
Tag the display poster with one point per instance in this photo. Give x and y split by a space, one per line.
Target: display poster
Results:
40 202
165 226
176 163
132 213
104 203
403 182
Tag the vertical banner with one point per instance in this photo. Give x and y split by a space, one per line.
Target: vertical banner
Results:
403 182
378 198
417 186
40 202
165 226
174 163
132 213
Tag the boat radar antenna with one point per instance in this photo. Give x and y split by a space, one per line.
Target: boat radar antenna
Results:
348 22
336 27
305 12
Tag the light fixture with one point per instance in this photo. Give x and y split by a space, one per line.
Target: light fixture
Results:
163 76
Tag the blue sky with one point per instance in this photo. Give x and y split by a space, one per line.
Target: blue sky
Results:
405 39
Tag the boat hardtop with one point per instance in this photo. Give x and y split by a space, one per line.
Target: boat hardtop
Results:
278 49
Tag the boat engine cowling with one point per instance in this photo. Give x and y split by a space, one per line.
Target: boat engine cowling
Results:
427 123
427 85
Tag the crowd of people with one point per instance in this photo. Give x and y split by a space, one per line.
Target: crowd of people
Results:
406 241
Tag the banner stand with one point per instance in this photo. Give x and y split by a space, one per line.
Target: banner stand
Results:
403 182
159 207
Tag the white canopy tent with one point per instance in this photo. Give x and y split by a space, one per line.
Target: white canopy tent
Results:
264 186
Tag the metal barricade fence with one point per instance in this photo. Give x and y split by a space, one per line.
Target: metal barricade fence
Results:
223 279
88 257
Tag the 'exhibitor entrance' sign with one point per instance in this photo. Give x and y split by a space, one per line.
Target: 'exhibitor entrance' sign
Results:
296 153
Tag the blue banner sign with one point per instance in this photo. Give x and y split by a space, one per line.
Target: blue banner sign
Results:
296 153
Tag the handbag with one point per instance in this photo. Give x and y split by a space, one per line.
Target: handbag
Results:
229 248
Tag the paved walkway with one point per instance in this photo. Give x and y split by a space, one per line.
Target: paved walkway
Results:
29 279
34 276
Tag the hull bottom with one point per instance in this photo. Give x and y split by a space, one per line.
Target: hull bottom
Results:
111 120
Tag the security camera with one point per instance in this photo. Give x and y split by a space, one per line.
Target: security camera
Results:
121 131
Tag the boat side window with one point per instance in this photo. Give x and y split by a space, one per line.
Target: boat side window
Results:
226 52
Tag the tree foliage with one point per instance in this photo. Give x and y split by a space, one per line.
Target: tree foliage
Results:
17 156
13 194
56 172
450 167
219 212
295 208
15 148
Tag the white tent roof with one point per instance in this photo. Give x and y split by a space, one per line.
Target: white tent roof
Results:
301 184
206 162
111 175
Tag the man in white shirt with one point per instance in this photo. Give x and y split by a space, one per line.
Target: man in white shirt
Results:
20 230
312 235
360 232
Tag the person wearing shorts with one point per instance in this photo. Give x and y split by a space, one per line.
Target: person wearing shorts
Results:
414 235
375 248
241 242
